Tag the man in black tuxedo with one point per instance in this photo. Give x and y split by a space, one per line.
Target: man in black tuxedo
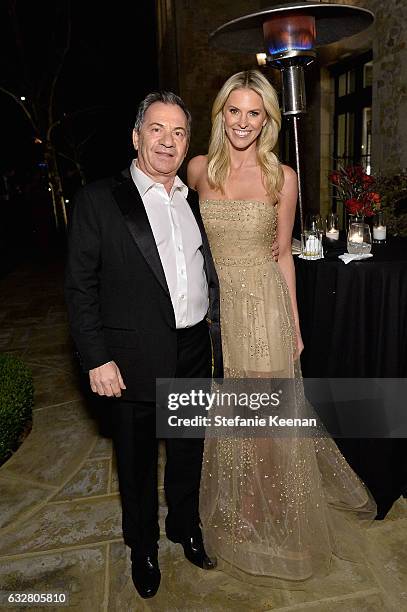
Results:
143 303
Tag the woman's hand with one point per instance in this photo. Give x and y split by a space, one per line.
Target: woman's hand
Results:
300 345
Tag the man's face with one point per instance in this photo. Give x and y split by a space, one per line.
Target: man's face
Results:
162 141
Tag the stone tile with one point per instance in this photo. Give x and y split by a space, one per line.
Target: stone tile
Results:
162 513
19 338
80 573
161 498
17 499
42 335
54 387
387 554
11 338
90 480
56 355
344 578
36 307
17 352
114 485
33 326
103 448
59 525
122 595
184 587
62 361
188 589
58 442
20 319
55 317
369 601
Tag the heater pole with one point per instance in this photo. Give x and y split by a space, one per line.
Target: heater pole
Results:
297 163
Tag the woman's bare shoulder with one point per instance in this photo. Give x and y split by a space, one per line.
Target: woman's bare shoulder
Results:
196 170
290 184
289 173
199 162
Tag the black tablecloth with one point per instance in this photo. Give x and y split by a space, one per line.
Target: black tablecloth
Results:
354 324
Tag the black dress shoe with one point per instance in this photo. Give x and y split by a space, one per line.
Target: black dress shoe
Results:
146 574
194 551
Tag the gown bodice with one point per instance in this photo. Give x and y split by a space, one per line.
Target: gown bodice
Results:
240 232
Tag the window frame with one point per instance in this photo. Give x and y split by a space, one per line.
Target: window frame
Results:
354 102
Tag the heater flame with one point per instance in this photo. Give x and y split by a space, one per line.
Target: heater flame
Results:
293 32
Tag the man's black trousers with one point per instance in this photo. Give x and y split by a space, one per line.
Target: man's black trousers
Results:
136 447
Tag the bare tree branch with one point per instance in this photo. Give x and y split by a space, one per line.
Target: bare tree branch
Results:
23 106
65 156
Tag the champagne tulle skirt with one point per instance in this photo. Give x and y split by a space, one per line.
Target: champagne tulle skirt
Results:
272 508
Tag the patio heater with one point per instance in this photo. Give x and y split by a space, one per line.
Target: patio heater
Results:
289 33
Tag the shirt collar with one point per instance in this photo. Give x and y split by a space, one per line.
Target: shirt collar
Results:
144 183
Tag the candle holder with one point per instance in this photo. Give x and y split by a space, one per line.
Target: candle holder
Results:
379 228
332 226
311 238
359 239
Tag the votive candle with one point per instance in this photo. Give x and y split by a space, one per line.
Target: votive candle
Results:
379 232
332 234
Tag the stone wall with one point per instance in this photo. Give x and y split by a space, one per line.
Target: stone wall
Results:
390 85
389 108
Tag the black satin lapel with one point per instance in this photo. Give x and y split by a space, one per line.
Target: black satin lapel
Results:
135 216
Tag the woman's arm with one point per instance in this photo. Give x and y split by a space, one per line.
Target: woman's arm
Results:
286 215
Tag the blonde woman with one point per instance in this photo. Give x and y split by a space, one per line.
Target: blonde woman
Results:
270 506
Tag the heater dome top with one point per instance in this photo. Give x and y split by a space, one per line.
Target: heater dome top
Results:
333 22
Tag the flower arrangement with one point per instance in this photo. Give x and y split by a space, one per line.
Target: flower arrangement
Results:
356 190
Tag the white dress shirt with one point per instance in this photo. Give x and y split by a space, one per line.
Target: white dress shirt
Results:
178 241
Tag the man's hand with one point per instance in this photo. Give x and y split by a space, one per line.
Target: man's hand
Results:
107 380
275 249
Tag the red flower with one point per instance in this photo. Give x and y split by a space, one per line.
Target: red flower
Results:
375 197
335 177
354 188
353 206
355 172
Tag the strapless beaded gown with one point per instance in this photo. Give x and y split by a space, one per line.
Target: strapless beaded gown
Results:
271 508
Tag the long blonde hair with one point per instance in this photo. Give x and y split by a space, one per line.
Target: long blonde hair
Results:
218 153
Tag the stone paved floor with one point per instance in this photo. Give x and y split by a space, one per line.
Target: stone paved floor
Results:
60 510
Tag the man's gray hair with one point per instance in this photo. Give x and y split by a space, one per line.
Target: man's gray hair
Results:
167 97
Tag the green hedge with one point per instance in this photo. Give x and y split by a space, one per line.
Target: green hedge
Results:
16 402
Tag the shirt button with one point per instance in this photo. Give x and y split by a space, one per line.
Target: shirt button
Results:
179 247
182 296
183 271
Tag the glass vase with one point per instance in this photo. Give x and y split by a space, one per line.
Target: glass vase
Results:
359 239
358 218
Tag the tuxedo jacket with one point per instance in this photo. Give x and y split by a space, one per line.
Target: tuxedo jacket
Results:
118 301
